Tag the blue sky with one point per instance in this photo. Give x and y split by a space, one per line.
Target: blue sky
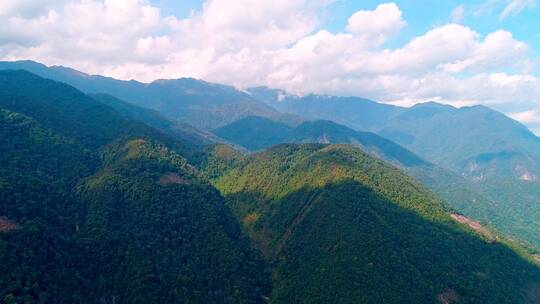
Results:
421 15
402 52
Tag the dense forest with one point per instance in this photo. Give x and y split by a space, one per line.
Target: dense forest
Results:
259 133
497 155
339 226
488 165
102 211
105 202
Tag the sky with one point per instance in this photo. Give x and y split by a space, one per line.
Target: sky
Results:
404 52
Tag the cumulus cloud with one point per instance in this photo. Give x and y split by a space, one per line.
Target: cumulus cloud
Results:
277 43
431 66
376 25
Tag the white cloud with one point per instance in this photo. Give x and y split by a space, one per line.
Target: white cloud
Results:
529 116
457 14
443 52
28 8
377 25
515 7
498 49
278 43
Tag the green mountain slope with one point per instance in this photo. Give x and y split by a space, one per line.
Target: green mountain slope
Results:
65 110
37 167
95 208
341 227
499 157
181 131
256 133
171 236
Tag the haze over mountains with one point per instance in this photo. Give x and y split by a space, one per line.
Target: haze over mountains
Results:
141 199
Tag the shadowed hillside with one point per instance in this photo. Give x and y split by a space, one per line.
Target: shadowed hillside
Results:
341 227
96 208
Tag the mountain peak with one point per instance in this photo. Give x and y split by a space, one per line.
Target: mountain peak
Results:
433 105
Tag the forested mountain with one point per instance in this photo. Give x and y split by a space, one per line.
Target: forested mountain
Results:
96 208
339 226
183 132
102 201
498 156
195 102
257 133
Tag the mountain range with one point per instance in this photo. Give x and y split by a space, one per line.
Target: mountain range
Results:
123 192
187 100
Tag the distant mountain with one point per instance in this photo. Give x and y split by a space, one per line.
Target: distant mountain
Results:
195 102
339 226
97 208
258 133
454 137
357 113
499 157
184 132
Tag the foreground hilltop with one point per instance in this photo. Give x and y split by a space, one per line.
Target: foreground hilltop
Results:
338 226
103 209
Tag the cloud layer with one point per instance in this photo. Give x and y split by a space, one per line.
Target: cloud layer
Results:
279 43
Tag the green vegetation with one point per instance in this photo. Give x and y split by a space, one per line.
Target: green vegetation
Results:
256 133
172 238
181 131
96 206
338 226
498 157
102 209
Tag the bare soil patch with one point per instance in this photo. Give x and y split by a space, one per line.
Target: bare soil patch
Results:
447 297
474 225
6 225
172 178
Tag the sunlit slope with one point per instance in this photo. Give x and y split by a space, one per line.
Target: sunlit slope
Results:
339 226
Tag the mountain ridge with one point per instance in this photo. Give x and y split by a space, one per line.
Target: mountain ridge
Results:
202 104
291 202
498 156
